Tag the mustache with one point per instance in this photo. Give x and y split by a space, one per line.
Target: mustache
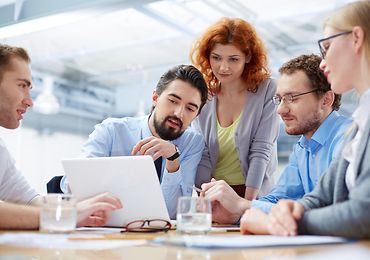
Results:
176 119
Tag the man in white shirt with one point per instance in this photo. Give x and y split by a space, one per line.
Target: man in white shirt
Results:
15 99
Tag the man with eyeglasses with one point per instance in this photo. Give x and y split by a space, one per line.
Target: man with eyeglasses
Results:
307 107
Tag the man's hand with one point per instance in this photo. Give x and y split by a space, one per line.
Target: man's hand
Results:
223 216
283 218
96 210
254 221
154 147
230 201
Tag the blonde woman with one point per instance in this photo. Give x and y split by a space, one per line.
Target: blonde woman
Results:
340 203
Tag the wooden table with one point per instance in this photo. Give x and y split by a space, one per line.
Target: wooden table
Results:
170 252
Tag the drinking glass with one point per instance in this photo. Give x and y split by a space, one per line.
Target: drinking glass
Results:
58 213
194 215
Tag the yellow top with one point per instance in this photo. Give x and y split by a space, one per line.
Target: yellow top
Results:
228 165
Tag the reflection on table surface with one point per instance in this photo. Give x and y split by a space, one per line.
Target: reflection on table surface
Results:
171 252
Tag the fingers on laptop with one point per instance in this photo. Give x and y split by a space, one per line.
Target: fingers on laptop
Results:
108 198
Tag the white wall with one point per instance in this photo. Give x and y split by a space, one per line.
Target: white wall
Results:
38 155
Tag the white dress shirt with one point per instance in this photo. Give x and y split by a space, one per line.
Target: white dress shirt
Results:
360 117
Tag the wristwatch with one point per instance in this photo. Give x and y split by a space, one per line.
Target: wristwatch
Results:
175 155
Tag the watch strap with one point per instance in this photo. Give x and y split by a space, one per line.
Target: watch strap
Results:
175 155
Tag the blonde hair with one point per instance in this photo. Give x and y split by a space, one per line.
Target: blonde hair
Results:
351 15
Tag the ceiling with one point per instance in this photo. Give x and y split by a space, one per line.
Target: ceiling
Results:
107 55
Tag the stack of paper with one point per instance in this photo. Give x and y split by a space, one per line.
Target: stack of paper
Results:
240 241
62 241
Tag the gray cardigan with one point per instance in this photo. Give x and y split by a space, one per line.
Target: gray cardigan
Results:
255 139
330 208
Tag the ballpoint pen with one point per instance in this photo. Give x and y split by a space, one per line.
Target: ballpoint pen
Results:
196 189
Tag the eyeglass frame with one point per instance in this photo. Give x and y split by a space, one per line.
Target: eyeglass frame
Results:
291 97
148 229
322 49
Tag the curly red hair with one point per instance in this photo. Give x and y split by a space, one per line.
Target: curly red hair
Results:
242 35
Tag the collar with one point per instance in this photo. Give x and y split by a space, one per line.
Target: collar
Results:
320 136
144 128
362 112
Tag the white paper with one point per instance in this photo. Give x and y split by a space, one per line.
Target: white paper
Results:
61 241
242 241
357 252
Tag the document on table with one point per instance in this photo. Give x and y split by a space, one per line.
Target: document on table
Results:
64 241
352 251
240 241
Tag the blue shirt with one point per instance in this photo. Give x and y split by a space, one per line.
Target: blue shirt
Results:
117 137
308 161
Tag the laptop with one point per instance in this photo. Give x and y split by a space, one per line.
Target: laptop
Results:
133 179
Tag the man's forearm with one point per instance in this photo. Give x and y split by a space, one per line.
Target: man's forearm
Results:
242 205
18 216
173 166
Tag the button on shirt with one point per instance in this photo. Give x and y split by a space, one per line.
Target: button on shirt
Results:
117 137
308 161
360 118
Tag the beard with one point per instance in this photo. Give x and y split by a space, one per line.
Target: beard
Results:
165 132
309 125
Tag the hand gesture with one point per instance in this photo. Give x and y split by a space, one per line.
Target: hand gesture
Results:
283 218
155 147
95 211
254 221
220 191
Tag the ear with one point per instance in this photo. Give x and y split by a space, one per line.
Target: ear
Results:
328 98
154 98
358 36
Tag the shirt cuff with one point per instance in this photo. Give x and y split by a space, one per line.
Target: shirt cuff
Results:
262 205
172 178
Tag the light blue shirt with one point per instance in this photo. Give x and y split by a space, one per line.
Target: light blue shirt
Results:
308 161
117 137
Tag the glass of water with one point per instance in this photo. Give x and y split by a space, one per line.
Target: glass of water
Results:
58 213
194 215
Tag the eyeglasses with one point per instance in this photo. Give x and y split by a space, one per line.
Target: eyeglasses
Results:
289 98
321 42
149 225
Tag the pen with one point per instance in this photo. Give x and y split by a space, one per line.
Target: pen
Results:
111 237
196 189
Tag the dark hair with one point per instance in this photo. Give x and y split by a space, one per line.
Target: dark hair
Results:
310 65
243 36
7 53
187 73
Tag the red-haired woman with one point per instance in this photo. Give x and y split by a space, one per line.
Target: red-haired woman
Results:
239 123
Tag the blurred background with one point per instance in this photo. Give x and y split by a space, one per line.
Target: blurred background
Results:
93 59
